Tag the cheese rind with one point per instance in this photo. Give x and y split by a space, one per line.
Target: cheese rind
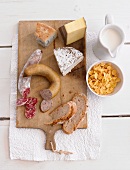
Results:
67 58
45 34
73 31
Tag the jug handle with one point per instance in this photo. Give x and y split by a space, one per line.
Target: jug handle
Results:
109 19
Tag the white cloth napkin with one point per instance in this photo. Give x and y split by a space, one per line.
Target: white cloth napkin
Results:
28 144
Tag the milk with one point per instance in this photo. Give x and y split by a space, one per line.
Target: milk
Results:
111 39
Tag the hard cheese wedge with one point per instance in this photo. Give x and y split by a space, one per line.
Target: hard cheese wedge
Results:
73 31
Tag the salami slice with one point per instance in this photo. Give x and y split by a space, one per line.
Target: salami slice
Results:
30 106
46 105
30 113
26 92
32 101
21 101
46 94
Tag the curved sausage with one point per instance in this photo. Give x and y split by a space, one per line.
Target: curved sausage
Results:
49 73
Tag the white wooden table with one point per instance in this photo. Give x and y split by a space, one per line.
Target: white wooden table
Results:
115 151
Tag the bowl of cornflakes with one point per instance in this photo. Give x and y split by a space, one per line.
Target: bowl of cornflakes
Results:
104 78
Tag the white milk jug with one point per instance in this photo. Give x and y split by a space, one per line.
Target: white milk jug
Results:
110 39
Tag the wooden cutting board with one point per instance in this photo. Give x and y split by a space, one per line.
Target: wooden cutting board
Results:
70 84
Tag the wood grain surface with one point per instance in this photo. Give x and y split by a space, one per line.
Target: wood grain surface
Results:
115 129
70 84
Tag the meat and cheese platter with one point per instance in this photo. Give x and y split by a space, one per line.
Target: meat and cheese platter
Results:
51 93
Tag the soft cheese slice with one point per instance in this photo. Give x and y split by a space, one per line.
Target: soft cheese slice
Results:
45 34
67 58
73 31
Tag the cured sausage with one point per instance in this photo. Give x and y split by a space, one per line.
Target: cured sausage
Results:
49 73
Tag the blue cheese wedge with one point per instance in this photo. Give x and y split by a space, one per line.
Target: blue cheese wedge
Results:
67 58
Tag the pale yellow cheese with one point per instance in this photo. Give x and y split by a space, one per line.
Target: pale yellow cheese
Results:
75 30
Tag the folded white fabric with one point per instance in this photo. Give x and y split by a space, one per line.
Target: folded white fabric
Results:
28 144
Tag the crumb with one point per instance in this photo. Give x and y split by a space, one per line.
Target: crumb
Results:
70 92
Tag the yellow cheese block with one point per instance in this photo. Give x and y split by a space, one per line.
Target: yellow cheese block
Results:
75 30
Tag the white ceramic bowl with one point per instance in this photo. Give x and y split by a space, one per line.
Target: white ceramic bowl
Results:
120 75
